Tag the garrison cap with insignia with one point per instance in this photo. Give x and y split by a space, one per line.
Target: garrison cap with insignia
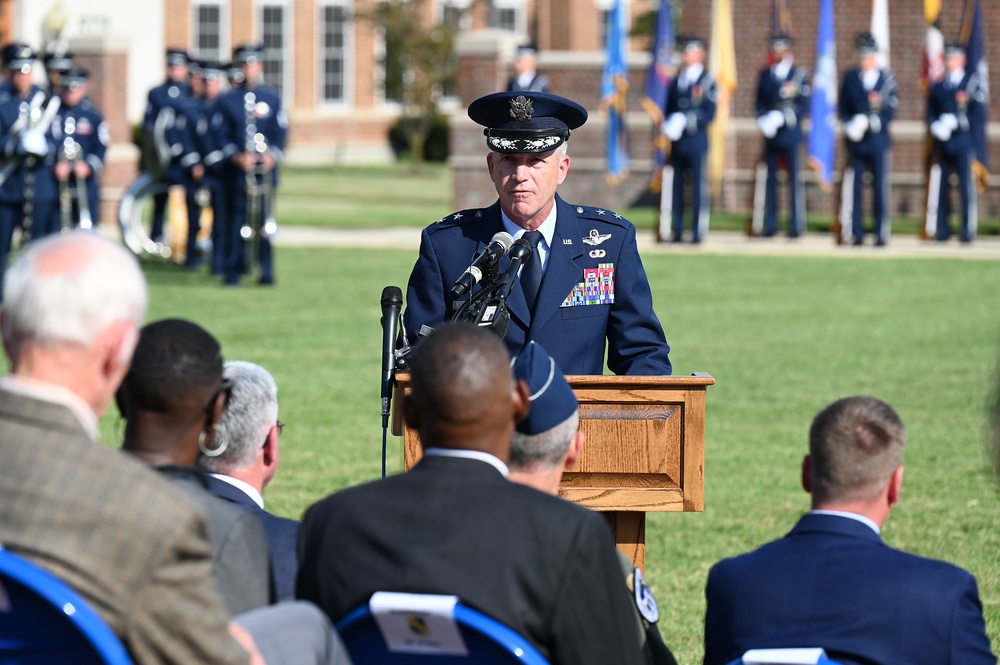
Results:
685 42
18 57
526 121
954 48
552 400
176 56
73 78
248 54
58 61
865 44
780 41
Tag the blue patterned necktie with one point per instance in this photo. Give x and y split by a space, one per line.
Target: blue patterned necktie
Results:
531 273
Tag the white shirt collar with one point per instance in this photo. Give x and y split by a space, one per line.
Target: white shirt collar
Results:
870 78
245 487
692 73
956 76
548 229
50 392
782 68
851 516
470 454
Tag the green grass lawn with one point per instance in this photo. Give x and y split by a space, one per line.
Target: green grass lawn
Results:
782 336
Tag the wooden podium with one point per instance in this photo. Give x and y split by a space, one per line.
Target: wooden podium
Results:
645 449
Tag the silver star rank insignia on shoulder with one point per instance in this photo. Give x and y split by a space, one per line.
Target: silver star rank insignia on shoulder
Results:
596 238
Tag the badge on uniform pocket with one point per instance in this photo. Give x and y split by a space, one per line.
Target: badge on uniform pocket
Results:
597 287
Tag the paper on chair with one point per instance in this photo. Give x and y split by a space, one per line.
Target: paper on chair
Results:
804 656
418 623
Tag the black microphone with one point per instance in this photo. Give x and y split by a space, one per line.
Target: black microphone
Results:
520 253
392 301
487 260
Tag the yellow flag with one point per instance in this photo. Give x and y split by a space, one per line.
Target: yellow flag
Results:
722 66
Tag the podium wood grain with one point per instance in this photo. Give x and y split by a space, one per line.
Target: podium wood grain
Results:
645 449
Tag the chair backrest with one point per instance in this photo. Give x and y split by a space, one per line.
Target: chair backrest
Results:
787 656
42 620
425 629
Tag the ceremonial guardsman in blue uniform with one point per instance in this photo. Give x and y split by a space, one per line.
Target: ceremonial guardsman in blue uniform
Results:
526 75
83 139
251 127
161 112
782 103
689 110
954 105
56 63
27 128
583 289
867 102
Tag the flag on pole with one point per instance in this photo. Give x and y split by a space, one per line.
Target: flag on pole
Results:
723 69
781 23
823 136
614 91
658 79
880 30
931 71
975 60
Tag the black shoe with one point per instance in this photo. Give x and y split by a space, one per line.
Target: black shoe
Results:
266 281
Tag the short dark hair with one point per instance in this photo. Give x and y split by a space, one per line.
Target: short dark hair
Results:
174 361
855 445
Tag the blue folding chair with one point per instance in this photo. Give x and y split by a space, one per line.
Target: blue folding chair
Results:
487 641
43 621
789 656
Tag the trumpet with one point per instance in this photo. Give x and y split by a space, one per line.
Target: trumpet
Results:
260 222
69 154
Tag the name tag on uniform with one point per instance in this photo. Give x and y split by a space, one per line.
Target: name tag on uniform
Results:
597 287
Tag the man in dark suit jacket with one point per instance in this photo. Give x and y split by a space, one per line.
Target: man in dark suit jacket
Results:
455 525
584 286
246 460
832 582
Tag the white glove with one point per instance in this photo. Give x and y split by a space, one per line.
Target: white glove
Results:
950 121
856 127
940 131
674 126
777 119
766 127
33 142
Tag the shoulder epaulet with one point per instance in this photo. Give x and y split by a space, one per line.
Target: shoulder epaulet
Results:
457 219
601 215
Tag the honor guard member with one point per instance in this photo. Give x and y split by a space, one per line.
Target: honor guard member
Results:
782 103
56 64
28 190
583 287
868 101
161 112
83 141
526 76
689 109
955 104
251 126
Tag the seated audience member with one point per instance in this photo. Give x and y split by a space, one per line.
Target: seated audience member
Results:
549 441
171 400
129 542
454 524
245 460
832 582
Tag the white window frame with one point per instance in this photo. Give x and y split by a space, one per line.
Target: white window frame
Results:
224 37
350 25
520 14
287 59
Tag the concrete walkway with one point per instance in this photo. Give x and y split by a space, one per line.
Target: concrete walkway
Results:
718 242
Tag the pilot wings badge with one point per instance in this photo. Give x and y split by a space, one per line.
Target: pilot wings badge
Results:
595 238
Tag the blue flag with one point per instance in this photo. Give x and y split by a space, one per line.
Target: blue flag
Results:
975 60
614 91
661 69
823 137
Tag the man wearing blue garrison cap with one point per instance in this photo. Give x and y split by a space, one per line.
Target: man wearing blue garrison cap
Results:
583 290
549 441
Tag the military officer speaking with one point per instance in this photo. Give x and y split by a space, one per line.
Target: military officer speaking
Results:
690 108
867 103
583 287
782 103
954 105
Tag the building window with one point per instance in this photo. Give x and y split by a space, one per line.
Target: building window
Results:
273 26
507 15
334 34
207 37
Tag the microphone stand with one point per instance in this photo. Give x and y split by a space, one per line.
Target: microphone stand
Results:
488 306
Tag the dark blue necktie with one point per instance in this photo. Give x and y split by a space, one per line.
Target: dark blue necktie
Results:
531 273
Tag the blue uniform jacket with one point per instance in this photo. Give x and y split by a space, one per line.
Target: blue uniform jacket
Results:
697 103
789 95
879 105
231 117
90 131
13 189
163 108
967 101
591 247
832 583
